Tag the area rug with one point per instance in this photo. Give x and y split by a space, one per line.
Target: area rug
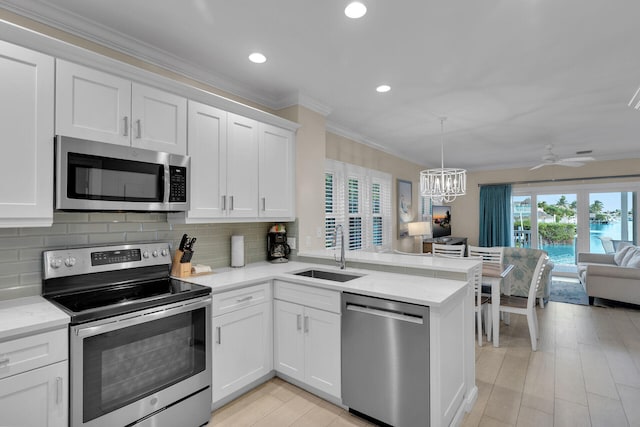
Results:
569 292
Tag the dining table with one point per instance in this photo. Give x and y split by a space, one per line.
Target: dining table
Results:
496 276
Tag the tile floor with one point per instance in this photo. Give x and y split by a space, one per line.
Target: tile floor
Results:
585 373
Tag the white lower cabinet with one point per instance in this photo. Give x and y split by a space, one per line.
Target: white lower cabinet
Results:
307 340
37 398
242 339
34 380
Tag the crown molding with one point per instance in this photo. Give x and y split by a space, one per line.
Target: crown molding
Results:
60 19
346 133
306 101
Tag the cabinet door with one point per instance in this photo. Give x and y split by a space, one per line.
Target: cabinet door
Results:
288 339
36 398
159 120
242 348
26 120
276 172
91 104
322 350
207 146
242 166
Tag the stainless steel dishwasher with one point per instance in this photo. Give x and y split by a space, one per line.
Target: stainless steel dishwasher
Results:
385 360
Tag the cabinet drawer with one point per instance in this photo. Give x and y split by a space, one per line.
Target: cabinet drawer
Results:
322 299
24 354
239 298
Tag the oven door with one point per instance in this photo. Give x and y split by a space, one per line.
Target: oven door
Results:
130 367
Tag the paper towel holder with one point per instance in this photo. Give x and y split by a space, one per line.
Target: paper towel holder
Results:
237 251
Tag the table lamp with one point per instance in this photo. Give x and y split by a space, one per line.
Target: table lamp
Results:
419 230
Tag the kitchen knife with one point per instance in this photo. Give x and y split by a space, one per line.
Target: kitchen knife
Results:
183 242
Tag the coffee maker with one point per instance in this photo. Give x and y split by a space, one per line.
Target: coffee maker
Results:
277 248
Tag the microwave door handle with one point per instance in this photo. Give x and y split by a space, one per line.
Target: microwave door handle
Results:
166 197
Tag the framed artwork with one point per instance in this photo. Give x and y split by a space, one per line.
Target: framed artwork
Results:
405 204
441 221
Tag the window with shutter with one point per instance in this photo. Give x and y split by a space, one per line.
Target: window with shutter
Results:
360 200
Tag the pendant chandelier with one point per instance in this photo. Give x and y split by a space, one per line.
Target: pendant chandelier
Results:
443 184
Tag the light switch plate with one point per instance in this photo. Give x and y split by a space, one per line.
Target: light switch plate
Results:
291 241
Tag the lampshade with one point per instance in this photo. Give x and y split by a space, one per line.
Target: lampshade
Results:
443 184
420 228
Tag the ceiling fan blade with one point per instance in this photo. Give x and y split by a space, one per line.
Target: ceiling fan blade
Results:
578 159
539 166
570 164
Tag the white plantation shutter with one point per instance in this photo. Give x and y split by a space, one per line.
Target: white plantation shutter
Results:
360 200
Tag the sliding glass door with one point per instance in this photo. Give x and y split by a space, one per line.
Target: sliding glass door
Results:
611 220
566 220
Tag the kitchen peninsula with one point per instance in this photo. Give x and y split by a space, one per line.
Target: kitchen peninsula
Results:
444 285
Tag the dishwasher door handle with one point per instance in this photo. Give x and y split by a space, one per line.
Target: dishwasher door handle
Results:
386 314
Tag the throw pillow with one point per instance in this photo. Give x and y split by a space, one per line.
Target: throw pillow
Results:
629 254
620 253
634 261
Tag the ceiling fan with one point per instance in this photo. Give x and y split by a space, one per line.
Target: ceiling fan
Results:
550 158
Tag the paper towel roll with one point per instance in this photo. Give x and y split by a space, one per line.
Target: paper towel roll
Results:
237 251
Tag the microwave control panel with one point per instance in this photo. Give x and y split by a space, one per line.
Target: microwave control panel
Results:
177 184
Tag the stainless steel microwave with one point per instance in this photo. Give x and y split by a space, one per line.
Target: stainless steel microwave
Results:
93 176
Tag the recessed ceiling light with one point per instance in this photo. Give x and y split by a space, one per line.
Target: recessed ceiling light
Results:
355 10
257 58
383 88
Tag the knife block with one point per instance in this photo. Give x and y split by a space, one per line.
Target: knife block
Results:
179 269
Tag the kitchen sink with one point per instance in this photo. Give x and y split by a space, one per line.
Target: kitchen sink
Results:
327 275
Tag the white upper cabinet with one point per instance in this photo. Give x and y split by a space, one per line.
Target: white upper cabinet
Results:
159 120
92 105
242 166
276 181
241 169
26 120
207 147
95 105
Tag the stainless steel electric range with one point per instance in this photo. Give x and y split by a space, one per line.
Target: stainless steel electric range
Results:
139 340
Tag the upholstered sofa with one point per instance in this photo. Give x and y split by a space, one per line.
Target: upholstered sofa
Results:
524 262
612 276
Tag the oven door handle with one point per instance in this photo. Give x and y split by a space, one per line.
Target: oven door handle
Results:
138 318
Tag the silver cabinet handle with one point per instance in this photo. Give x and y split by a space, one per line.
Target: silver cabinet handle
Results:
264 204
299 321
4 361
139 124
59 393
218 335
245 299
306 324
224 203
230 203
126 126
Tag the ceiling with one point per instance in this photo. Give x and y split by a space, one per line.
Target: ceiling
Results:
511 76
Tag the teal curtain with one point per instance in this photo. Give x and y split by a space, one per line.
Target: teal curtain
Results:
495 215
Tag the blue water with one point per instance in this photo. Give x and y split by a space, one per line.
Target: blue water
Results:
565 254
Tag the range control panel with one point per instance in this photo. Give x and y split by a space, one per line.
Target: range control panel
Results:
75 261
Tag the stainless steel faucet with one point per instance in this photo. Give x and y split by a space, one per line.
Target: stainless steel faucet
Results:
341 261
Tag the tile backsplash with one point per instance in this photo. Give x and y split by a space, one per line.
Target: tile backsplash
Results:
21 248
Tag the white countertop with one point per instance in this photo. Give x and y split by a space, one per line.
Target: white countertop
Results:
414 289
419 261
22 316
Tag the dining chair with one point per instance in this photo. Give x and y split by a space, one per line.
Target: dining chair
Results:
493 255
450 250
482 306
527 307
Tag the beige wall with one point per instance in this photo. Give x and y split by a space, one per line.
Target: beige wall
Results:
348 151
310 153
465 209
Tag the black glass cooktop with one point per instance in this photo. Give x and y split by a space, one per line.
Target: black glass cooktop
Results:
114 300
